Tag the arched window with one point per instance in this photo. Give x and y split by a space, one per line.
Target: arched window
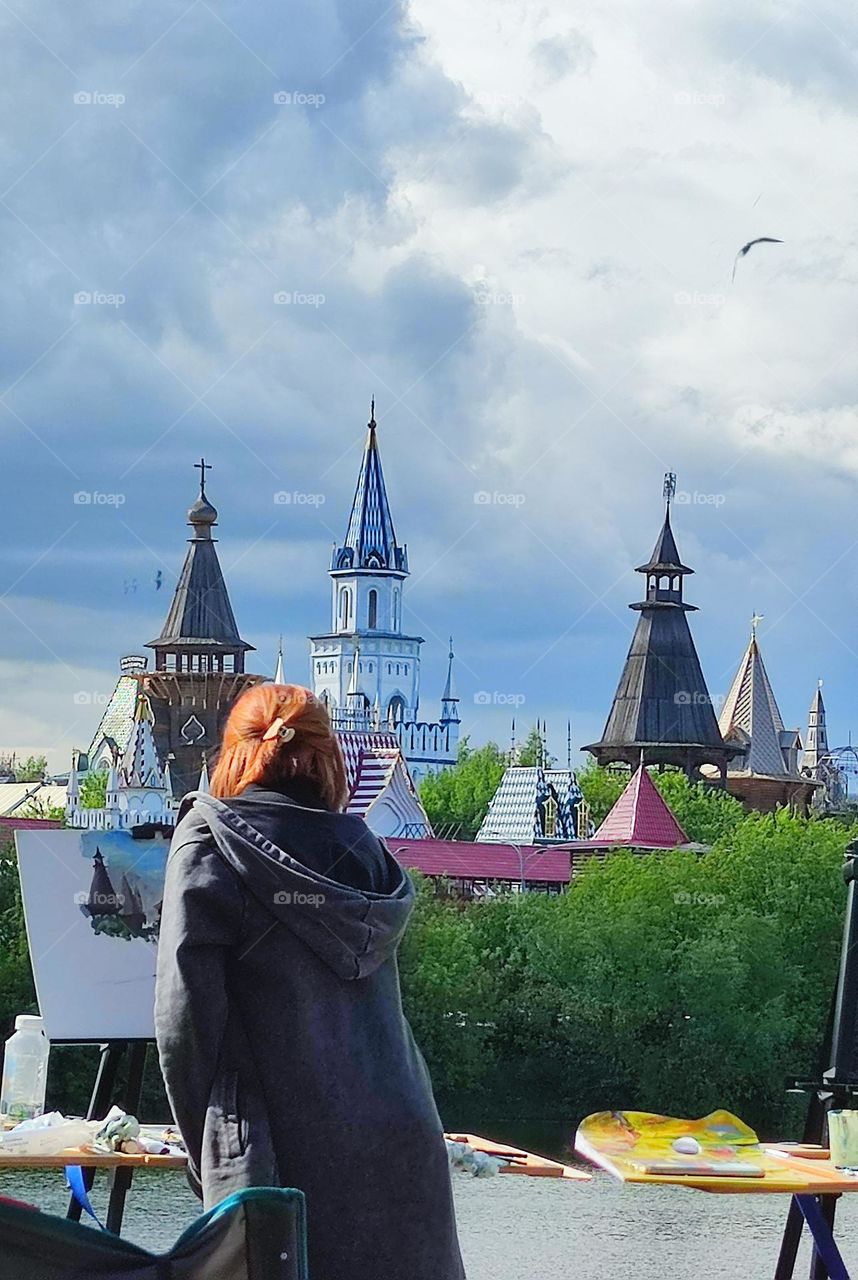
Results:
396 709
373 608
345 607
394 609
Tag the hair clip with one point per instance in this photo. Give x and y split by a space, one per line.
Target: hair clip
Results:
279 729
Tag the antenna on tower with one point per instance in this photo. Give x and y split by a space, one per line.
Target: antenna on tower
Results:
669 486
568 744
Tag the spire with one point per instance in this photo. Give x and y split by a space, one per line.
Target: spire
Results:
816 744
73 788
662 711
568 744
449 701
200 619
751 714
370 541
203 784
140 765
111 789
665 561
279 678
354 684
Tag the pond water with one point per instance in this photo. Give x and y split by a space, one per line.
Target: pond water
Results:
516 1228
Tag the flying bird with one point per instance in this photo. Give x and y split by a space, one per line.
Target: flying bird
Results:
746 247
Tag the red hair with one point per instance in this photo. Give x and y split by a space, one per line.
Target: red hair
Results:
311 751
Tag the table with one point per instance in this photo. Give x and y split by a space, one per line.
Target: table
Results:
122 1167
800 1170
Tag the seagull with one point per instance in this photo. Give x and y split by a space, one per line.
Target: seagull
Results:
745 247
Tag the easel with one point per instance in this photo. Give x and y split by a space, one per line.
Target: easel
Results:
835 1088
103 1095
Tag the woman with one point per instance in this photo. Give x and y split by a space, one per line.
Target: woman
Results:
286 1056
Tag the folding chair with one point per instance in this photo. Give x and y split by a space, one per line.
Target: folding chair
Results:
256 1234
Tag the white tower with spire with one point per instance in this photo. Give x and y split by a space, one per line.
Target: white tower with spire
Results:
816 742
366 667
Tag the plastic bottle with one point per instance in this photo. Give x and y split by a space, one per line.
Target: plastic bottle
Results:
25 1070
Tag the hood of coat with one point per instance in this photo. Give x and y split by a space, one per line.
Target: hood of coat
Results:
354 931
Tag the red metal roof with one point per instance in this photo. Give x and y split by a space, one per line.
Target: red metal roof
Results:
640 819
464 860
24 824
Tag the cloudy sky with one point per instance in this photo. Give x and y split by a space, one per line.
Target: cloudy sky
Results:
225 227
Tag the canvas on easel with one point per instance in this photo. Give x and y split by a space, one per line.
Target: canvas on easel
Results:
92 905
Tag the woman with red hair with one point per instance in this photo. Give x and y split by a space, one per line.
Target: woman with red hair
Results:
284 1049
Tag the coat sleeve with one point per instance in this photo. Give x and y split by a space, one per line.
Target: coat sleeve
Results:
201 919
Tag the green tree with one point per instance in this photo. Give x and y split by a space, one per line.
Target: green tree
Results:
93 790
704 812
534 752
456 799
31 770
601 788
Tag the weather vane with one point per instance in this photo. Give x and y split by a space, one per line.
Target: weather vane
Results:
756 619
669 488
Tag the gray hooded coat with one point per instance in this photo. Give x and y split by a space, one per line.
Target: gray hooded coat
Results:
284 1049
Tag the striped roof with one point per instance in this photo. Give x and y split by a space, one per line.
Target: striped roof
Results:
380 787
459 859
370 541
512 812
26 797
118 719
641 819
751 714
375 770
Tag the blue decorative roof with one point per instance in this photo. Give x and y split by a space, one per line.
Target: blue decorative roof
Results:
370 541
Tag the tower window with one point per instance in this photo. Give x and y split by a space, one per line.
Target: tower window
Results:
345 607
373 608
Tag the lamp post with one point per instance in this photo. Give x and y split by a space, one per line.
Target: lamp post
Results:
520 852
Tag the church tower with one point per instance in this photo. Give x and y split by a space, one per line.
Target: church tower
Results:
366 668
366 658
199 655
